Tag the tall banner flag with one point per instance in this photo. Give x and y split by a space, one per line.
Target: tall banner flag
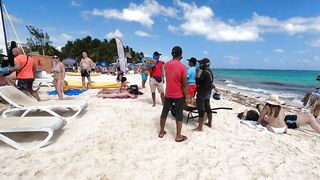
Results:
3 40
121 55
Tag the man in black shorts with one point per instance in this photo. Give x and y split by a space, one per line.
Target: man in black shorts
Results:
86 65
176 92
25 68
204 80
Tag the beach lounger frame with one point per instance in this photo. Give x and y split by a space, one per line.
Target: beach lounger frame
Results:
193 110
29 124
28 105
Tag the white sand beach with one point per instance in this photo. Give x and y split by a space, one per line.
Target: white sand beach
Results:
118 139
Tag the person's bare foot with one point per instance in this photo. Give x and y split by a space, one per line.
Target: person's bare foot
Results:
162 133
180 139
153 105
208 124
197 129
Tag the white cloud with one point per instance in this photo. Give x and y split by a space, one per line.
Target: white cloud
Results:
233 60
314 43
172 28
60 39
75 3
142 34
202 21
85 15
85 32
14 19
66 36
140 13
114 34
278 50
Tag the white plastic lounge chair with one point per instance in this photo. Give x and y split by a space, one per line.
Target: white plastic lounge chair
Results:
21 102
29 124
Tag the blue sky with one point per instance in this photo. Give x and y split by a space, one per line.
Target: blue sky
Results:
262 34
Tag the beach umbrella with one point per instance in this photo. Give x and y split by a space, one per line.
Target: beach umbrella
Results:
103 63
69 61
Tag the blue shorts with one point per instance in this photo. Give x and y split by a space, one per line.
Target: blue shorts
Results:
144 76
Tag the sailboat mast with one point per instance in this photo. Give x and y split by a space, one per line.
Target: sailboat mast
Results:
4 29
14 30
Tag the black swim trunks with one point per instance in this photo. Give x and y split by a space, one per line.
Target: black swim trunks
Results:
85 73
25 84
290 121
179 105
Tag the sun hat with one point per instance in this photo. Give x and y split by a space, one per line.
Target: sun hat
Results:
274 100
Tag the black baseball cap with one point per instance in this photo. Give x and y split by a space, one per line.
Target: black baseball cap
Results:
192 59
205 61
176 51
156 53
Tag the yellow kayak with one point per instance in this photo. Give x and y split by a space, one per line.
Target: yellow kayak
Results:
95 85
78 74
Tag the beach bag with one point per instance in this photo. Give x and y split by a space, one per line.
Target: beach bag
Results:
251 115
134 89
216 96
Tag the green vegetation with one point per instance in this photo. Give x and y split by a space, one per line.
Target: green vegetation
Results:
96 49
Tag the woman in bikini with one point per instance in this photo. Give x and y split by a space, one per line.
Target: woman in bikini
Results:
58 71
277 122
122 92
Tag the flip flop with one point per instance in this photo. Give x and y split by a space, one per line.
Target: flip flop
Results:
161 135
183 139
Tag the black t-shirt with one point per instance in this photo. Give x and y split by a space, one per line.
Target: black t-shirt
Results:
204 83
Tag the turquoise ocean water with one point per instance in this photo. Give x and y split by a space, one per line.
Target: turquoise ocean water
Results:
291 84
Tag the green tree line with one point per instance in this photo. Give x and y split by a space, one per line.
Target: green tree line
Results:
97 49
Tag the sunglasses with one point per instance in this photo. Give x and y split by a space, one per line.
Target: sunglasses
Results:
55 57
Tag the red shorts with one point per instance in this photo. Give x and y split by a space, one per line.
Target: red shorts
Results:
192 88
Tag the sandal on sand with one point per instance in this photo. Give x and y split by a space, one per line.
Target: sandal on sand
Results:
183 139
162 134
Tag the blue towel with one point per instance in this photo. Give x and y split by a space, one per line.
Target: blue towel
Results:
71 92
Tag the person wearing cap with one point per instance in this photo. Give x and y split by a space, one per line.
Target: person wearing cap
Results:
176 92
191 77
156 80
273 115
204 80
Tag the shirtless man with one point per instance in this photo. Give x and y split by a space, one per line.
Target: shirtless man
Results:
86 65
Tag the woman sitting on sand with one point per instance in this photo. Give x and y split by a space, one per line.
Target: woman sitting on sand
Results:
273 114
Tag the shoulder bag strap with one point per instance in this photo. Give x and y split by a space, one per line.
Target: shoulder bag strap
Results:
23 66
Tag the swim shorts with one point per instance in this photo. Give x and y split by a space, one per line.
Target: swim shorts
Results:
25 84
85 73
179 105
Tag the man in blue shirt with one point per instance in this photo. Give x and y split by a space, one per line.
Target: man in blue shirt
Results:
191 77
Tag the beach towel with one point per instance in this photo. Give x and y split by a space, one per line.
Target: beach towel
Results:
70 92
254 125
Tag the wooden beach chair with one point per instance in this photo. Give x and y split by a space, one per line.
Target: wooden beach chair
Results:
21 102
29 124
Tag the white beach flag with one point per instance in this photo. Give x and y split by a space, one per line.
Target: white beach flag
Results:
3 46
121 55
